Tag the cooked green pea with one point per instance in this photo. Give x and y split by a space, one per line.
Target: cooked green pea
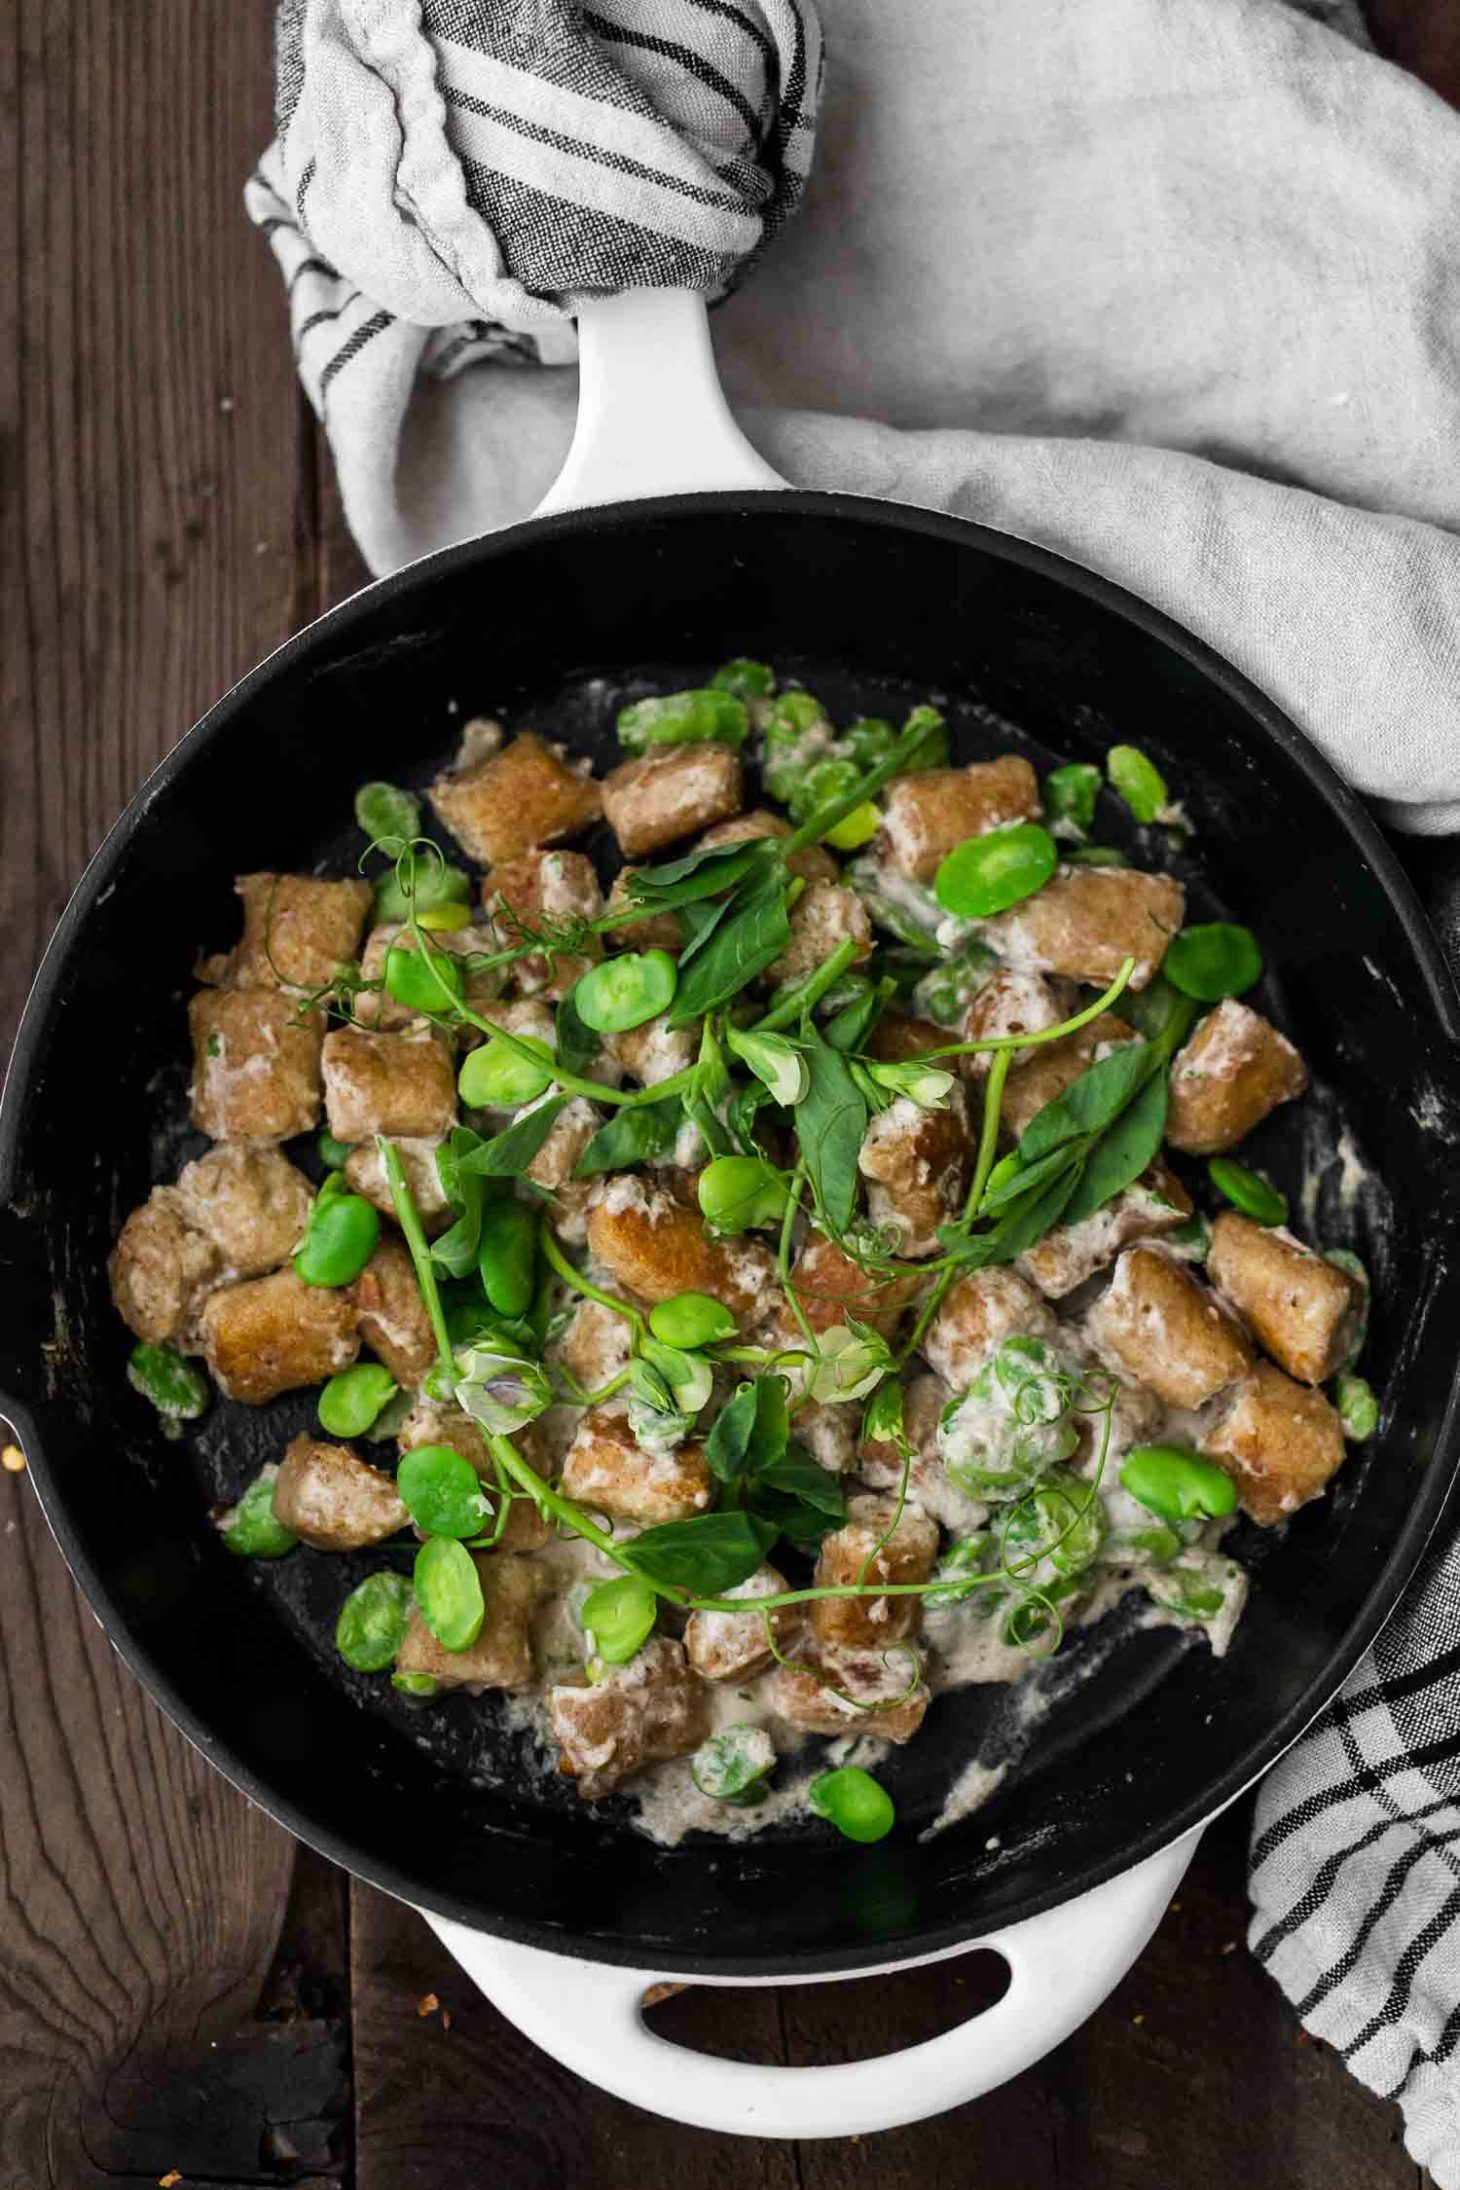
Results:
1138 781
496 1077
684 718
625 992
424 980
432 885
823 782
389 816
1177 1484
852 1800
333 1154
1358 1406
507 1257
339 1239
449 1592
418 1686
1213 961
441 1492
372 1622
989 873
732 1765
748 680
1070 793
868 740
250 1529
690 1320
738 1192
352 1399
1248 1191
619 1616
178 1391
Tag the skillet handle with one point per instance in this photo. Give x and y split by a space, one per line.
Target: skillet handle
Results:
652 416
1061 1966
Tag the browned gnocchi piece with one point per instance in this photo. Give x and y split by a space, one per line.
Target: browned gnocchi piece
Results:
1156 1202
1009 1004
877 1692
527 793
833 1289
814 863
824 916
976 1315
1054 1066
249 1201
917 1163
653 1708
333 1500
434 1422
393 1319
1155 1323
161 1271
545 886
297 932
608 1469
654 1247
388 1083
671 791
1281 1442
897 1039
1087 921
501 1656
553 1166
1298 1306
480 989
255 1065
276 1334
655 1051
595 1345
365 1174
732 1646
928 815
847 1556
1233 1072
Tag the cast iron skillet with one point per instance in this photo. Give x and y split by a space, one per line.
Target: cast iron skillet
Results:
874 606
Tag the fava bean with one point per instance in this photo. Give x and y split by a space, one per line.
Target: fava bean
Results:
932 747
1070 794
868 740
496 1077
342 1234
988 874
1054 1532
619 1618
1138 781
691 1320
422 980
732 1765
1248 1191
748 680
507 1257
1358 1406
178 1391
250 1529
625 992
372 1622
441 1492
351 1400
684 718
856 828
389 816
433 884
854 1802
1177 1484
739 1192
1213 961
418 1686
449 1592
333 1154
821 784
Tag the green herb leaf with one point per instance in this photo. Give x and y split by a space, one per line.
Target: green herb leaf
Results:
830 1124
705 1556
1090 1103
575 1044
798 1496
633 1135
1122 1152
508 1154
754 933
701 874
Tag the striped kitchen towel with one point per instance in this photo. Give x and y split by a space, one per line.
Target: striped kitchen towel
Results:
1356 1869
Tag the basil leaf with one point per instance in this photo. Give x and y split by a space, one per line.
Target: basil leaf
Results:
706 1555
633 1135
575 1044
754 933
508 1155
700 874
1090 1103
830 1124
1122 1152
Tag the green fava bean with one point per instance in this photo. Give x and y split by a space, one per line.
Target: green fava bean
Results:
351 1400
422 980
1138 781
1070 793
432 885
1213 961
1248 1191
739 1192
250 1529
685 718
418 1686
748 680
868 740
691 1320
732 1765
389 816
852 1800
441 1492
178 1391
372 1622
449 1592
1053 1533
988 874
1179 1485
619 1615
507 1258
498 1077
625 992
1358 1406
823 782
333 1154
856 828
342 1234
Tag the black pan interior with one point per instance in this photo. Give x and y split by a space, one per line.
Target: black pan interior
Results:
873 608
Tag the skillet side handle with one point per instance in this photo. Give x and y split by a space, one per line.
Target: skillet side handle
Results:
1062 1965
652 416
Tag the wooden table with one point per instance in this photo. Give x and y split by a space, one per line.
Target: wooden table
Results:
181 1987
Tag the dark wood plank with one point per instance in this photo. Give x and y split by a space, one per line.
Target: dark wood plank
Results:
1422 35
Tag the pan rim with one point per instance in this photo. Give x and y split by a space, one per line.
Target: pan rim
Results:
1358 825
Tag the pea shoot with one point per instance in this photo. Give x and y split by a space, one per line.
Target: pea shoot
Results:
854 1802
507 1256
1250 1191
